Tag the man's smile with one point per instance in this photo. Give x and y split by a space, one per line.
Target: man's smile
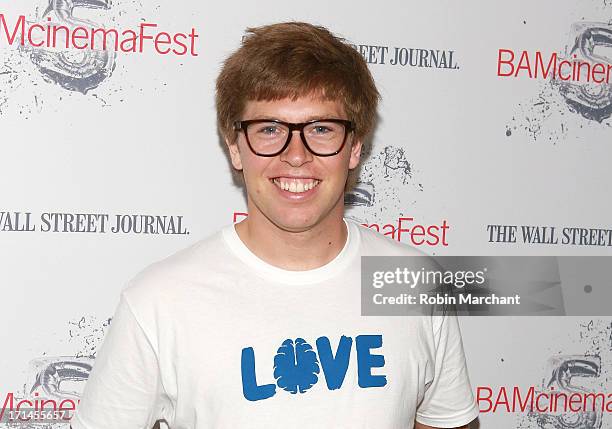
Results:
295 184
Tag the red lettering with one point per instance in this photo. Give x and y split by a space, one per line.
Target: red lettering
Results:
105 34
23 401
72 407
142 36
372 226
502 399
593 397
528 399
9 397
554 402
507 62
594 71
417 230
400 229
540 65
480 398
419 234
193 36
575 397
537 402
179 43
392 233
20 24
524 64
30 41
76 37
46 401
132 40
445 227
18 406
66 35
578 69
433 234
561 64
237 214
159 42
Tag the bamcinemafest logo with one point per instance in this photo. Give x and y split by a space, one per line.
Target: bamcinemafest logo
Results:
537 65
67 35
574 392
582 75
403 229
79 54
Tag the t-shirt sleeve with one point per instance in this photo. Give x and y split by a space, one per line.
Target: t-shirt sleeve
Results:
124 385
449 401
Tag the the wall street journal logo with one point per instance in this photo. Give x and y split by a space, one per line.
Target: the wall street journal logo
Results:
100 223
409 56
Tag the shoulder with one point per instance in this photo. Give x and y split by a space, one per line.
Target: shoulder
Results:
188 266
387 254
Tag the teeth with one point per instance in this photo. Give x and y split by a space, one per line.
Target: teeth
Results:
296 185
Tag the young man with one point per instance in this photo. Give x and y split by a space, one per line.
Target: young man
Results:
259 325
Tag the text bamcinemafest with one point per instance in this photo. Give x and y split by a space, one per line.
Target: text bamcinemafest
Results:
145 37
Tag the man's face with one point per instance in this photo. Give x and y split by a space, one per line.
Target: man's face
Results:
266 176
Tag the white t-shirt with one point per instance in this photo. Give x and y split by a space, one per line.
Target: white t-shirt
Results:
214 337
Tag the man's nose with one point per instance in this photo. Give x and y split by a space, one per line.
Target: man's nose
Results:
296 153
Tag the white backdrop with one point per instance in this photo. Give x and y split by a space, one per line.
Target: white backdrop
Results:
459 145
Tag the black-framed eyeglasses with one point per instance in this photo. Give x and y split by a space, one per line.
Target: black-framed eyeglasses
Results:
270 137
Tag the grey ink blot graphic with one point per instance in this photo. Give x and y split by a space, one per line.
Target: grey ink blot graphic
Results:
75 71
69 74
361 195
591 100
52 374
8 79
88 334
552 113
63 377
52 379
384 177
590 372
566 373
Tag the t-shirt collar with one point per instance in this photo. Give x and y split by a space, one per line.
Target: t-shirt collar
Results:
280 275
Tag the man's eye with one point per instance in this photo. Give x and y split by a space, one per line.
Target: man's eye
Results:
269 130
321 129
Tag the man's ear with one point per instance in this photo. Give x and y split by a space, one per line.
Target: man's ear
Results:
355 154
232 146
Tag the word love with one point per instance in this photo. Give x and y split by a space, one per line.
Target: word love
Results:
297 366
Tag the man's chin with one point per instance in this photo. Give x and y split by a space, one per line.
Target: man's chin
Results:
295 226
295 223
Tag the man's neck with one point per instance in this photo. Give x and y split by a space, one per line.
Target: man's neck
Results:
295 251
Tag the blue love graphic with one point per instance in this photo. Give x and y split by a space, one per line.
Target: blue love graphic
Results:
296 366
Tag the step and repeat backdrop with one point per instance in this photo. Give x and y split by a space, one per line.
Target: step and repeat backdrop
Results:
494 138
